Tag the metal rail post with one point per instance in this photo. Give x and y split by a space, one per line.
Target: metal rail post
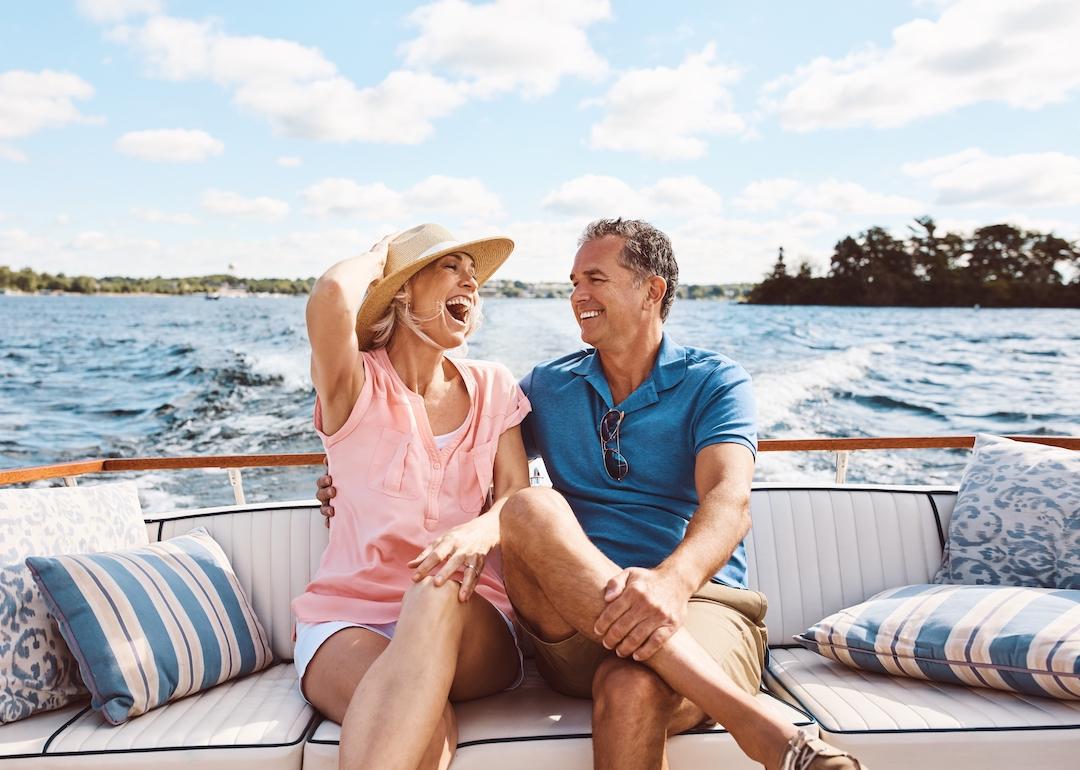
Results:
237 482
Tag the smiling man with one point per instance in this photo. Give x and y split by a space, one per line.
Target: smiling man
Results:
630 573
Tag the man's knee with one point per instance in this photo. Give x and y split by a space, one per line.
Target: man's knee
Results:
529 513
625 687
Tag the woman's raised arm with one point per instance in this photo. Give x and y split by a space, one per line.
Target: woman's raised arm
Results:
336 368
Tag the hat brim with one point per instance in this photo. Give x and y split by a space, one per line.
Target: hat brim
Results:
487 254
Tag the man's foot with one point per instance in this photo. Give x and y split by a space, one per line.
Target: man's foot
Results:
805 752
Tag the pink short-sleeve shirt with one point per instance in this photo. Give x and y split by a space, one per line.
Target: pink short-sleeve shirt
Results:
397 492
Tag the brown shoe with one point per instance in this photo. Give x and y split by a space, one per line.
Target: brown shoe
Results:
805 752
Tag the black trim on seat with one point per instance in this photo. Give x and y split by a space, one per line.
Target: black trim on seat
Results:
937 519
228 510
60 729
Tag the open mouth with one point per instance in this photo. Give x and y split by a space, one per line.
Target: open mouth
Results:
459 308
585 315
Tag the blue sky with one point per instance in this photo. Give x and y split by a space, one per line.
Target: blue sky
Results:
147 137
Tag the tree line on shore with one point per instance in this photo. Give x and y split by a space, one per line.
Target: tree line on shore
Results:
29 281
996 266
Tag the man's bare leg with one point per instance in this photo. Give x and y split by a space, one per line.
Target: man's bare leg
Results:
556 578
634 712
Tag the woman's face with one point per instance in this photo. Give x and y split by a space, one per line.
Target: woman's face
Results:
444 296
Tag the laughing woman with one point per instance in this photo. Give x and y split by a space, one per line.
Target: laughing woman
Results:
407 613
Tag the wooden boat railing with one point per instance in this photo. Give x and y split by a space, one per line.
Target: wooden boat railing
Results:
841 447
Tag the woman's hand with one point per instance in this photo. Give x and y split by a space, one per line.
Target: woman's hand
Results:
465 547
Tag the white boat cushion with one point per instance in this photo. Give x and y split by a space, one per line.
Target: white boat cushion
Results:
896 723
257 722
1017 517
843 699
535 727
37 671
815 551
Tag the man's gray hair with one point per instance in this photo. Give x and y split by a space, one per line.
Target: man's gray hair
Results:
646 251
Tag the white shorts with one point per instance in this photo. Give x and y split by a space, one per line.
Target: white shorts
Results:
310 636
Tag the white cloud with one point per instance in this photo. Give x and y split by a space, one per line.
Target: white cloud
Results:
154 216
466 198
170 145
507 45
117 10
832 195
31 101
9 153
592 196
294 86
766 194
666 113
974 178
230 204
290 161
1022 53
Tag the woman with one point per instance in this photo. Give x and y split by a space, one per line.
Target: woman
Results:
407 611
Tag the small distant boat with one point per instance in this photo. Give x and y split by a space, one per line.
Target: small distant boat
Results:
228 292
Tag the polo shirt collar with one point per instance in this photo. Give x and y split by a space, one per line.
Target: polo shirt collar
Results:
668 371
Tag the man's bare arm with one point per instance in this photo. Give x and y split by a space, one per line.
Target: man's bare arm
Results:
645 607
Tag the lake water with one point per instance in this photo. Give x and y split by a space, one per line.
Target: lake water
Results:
115 376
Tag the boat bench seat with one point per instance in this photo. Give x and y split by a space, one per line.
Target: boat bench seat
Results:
894 722
535 727
812 551
258 722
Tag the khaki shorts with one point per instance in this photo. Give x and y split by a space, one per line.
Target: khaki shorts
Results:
728 622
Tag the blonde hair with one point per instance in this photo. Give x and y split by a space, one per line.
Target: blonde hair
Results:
400 311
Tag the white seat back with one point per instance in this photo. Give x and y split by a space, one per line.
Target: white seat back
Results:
813 551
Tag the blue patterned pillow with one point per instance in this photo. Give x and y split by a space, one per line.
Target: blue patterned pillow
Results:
1017 517
152 624
1023 640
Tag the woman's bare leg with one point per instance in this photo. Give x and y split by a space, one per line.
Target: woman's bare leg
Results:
405 690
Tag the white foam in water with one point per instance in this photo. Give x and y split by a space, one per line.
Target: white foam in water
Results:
293 367
778 393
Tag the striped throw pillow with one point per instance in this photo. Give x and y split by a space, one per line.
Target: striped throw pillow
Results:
152 624
1020 639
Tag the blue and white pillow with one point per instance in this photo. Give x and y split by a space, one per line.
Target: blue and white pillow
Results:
37 671
1024 640
1017 517
153 624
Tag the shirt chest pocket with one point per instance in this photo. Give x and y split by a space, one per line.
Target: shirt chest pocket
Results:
390 472
476 468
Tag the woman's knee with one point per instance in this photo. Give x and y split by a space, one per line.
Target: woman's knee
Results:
428 599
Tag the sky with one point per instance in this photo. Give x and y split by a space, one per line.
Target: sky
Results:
179 137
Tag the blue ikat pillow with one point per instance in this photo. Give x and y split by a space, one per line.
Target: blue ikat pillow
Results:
1017 517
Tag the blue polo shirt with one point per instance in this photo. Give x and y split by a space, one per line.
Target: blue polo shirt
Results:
692 399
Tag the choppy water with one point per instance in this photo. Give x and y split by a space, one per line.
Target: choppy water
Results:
123 376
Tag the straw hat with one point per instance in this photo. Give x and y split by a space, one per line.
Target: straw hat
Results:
410 253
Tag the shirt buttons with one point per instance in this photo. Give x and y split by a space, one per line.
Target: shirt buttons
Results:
435 466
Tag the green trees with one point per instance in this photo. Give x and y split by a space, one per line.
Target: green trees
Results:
997 266
27 280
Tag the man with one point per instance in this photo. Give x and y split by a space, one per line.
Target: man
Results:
629 575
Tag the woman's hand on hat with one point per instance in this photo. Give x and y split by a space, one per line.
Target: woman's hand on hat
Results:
464 548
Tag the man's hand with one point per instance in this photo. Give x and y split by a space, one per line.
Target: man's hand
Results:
645 607
324 493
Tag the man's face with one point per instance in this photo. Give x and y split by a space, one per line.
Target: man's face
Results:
608 302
